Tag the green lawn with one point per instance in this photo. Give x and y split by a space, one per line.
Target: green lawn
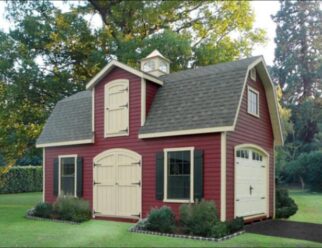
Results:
15 230
310 207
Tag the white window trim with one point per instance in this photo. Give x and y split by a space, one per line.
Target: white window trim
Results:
223 175
249 88
107 85
59 173
165 185
43 174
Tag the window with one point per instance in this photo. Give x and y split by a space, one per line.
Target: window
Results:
253 102
257 156
179 174
163 66
149 66
67 168
117 108
243 154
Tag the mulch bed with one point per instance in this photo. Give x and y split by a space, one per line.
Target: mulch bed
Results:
287 229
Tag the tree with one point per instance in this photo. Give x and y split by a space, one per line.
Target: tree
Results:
49 54
298 49
208 25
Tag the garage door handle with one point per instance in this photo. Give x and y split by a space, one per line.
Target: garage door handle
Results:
263 197
237 199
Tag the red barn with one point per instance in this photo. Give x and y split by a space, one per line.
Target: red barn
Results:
137 139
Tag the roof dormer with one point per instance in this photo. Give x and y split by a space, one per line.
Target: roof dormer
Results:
155 64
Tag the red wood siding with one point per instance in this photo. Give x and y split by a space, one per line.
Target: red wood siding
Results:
151 90
250 129
209 143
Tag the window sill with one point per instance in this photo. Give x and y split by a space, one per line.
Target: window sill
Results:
110 135
177 201
255 115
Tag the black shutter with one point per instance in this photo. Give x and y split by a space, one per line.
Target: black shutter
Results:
159 175
79 177
55 179
198 174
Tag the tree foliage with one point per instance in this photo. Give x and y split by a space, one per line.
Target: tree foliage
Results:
49 53
297 66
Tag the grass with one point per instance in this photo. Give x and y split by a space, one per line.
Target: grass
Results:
15 230
310 207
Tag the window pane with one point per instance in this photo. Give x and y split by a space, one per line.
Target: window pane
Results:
67 176
179 175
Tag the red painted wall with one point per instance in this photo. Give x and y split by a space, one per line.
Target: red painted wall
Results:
151 90
209 143
250 129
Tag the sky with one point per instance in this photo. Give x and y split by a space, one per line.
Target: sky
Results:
263 11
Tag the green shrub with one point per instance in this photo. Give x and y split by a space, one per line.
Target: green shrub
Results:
198 218
314 172
219 230
236 225
161 220
21 179
285 205
72 209
43 210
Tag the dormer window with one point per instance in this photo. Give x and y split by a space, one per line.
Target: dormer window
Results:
116 108
253 102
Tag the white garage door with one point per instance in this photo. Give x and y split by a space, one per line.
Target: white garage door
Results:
117 183
251 187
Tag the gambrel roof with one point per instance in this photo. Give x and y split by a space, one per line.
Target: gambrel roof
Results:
202 100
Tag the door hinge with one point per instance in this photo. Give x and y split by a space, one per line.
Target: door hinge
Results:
136 163
263 166
97 164
237 199
124 106
126 89
96 183
96 212
124 131
136 215
138 183
263 197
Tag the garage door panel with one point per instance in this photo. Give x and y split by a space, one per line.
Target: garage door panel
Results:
250 185
128 197
105 175
103 203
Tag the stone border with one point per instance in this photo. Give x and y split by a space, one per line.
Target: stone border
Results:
136 229
31 217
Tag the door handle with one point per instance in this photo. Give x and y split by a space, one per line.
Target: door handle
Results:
116 183
250 189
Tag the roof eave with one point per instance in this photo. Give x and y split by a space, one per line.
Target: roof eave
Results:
186 132
65 143
115 63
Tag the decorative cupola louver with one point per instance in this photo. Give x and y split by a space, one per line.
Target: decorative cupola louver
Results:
155 64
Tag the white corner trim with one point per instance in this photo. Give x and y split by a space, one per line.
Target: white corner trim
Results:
59 172
43 174
115 63
66 143
93 110
223 192
165 178
143 101
186 132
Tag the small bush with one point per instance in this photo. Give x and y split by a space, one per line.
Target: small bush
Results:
236 225
161 220
199 218
72 209
43 210
285 205
21 179
219 230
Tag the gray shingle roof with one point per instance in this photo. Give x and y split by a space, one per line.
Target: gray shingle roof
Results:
205 97
71 120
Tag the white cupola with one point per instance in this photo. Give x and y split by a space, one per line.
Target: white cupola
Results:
155 64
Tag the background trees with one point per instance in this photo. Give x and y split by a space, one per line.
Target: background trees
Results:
49 54
297 70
